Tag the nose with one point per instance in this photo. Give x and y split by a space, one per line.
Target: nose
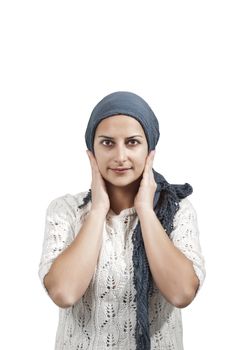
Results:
120 153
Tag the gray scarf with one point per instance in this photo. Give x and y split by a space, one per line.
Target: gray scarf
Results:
166 199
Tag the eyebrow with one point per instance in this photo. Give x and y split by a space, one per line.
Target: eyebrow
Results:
130 137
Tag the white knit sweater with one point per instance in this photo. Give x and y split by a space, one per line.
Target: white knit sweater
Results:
105 317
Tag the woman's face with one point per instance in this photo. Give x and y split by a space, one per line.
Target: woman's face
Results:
120 142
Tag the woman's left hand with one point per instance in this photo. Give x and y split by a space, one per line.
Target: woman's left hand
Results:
145 195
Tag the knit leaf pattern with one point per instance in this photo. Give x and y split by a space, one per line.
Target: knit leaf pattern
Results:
111 313
166 204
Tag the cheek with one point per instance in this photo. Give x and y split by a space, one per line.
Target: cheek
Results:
138 168
141 159
102 164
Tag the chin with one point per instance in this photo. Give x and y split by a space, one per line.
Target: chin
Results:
122 182
119 185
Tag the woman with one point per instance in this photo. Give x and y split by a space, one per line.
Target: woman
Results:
123 258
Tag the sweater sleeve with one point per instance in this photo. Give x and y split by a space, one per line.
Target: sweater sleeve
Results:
185 237
58 234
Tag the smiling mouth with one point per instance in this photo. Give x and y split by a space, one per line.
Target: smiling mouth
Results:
120 171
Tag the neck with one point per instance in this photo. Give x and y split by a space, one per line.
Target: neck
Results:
122 197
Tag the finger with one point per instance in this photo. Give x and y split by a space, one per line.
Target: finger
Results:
90 159
93 162
147 168
90 155
150 159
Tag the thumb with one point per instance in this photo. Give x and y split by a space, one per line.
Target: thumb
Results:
89 154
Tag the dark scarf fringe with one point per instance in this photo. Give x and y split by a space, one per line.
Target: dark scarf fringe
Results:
166 204
86 199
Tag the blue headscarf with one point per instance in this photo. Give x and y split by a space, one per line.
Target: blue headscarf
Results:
126 103
166 199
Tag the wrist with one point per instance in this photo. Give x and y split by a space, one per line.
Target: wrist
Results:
98 212
141 212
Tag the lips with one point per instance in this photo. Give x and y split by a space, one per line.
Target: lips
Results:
121 169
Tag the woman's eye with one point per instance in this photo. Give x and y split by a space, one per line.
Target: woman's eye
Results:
106 141
132 142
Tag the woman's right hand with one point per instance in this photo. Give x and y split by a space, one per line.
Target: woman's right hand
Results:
100 198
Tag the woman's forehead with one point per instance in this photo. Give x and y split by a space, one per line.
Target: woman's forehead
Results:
115 124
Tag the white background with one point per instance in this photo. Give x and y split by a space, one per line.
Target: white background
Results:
58 59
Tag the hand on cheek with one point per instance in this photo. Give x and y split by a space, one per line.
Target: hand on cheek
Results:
145 195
